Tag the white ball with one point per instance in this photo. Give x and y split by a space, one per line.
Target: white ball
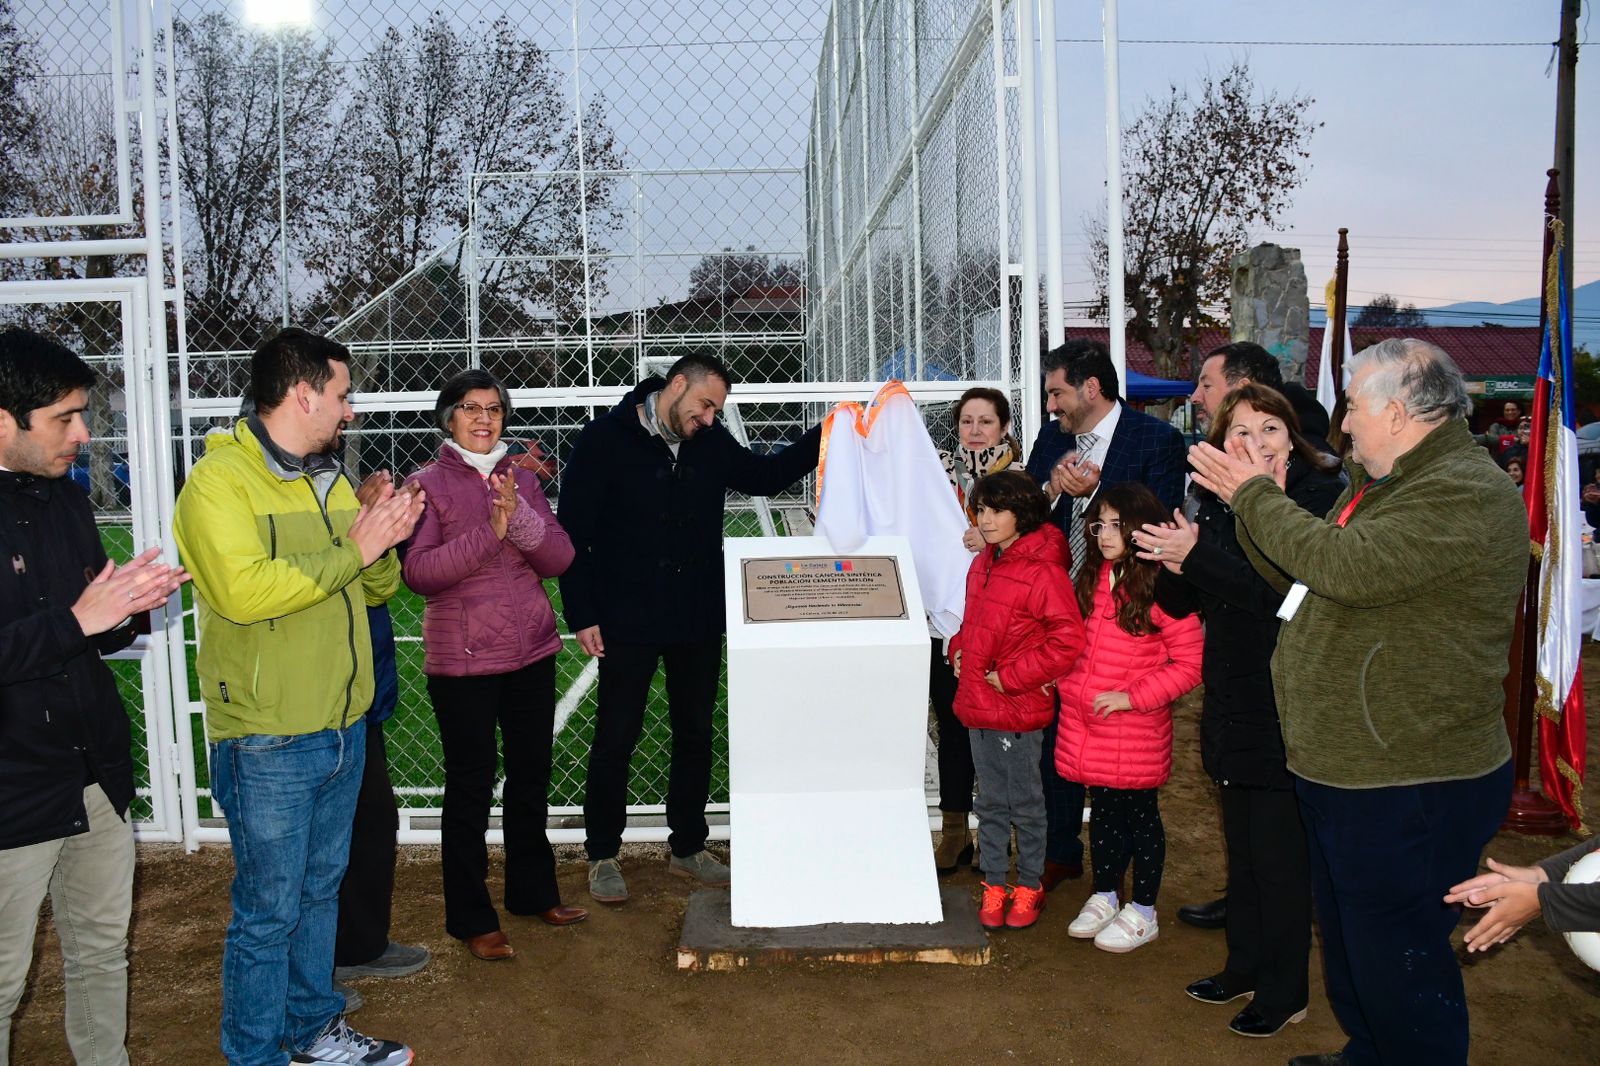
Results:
1585 945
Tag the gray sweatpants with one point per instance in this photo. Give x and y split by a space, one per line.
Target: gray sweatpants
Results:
1009 794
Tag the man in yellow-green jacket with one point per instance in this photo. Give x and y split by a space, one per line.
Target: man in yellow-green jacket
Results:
285 563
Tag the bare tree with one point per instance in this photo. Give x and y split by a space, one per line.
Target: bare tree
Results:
1199 172
227 126
430 108
73 173
1385 312
731 273
19 73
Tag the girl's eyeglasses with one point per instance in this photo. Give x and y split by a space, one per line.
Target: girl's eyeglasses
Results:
1095 528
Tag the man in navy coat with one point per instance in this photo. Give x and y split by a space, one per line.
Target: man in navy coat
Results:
1095 440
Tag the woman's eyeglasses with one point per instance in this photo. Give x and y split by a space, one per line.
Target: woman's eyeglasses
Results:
1095 528
473 410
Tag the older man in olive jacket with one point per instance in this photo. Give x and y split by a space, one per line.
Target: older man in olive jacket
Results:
1388 678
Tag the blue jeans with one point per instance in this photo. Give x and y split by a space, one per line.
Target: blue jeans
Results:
289 801
1381 861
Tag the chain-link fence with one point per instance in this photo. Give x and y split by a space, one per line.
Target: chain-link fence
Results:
913 176
568 195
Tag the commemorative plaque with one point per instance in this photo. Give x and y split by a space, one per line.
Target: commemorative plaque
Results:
824 644
823 589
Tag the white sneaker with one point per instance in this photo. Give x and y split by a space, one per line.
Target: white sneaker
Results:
343 1045
1097 913
1127 931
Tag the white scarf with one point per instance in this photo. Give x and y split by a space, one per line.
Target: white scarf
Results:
483 464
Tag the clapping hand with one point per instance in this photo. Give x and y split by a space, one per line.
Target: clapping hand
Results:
375 489
117 593
1223 472
1074 476
386 523
504 505
1168 543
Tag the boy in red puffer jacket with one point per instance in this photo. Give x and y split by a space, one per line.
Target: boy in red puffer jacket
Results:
1021 630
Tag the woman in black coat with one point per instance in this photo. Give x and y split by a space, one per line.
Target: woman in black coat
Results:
1241 743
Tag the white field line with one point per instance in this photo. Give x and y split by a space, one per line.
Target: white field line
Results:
573 696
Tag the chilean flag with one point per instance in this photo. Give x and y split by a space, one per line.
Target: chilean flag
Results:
1555 525
1325 394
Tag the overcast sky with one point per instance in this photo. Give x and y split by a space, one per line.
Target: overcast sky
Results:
1434 157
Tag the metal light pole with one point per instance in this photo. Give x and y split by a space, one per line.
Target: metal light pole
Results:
283 197
1116 273
279 16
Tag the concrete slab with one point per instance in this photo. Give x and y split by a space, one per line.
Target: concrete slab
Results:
711 942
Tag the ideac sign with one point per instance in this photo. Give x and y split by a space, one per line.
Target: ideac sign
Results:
1504 386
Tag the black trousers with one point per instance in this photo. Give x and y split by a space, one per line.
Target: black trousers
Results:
366 896
1269 897
1125 826
955 747
523 704
1381 861
693 669
1063 803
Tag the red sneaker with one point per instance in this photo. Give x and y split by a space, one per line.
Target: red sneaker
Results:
1026 903
992 909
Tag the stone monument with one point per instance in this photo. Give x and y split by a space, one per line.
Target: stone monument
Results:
1269 305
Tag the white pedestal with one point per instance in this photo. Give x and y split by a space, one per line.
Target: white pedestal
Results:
827 727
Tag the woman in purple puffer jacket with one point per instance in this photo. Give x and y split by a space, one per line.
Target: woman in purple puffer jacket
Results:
479 556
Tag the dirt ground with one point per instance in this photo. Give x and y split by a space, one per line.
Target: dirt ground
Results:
607 991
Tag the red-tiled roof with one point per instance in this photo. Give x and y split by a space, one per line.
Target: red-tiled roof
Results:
1478 350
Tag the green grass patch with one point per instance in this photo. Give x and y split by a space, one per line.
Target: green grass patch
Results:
412 735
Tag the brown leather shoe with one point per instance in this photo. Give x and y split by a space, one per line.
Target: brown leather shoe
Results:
562 914
491 947
1057 872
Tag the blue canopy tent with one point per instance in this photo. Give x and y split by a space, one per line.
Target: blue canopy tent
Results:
901 366
1144 387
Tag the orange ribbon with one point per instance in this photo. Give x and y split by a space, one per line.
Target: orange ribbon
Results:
864 417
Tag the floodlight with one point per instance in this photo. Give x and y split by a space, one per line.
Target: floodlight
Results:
277 13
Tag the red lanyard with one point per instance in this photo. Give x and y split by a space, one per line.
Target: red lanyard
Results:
1350 508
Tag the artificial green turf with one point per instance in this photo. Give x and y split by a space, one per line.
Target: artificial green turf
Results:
412 736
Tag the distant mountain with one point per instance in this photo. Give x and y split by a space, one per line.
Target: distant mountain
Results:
1585 314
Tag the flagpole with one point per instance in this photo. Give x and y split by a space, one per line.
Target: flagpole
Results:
1531 813
1341 297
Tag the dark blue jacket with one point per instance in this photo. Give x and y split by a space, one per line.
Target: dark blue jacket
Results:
647 528
61 719
1143 449
385 675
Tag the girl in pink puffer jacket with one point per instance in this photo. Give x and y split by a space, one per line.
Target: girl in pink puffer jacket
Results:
1115 733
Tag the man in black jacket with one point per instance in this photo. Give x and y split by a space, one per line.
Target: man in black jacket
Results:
66 770
1234 365
643 499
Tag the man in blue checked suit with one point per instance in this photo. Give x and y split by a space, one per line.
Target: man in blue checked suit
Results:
1095 440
